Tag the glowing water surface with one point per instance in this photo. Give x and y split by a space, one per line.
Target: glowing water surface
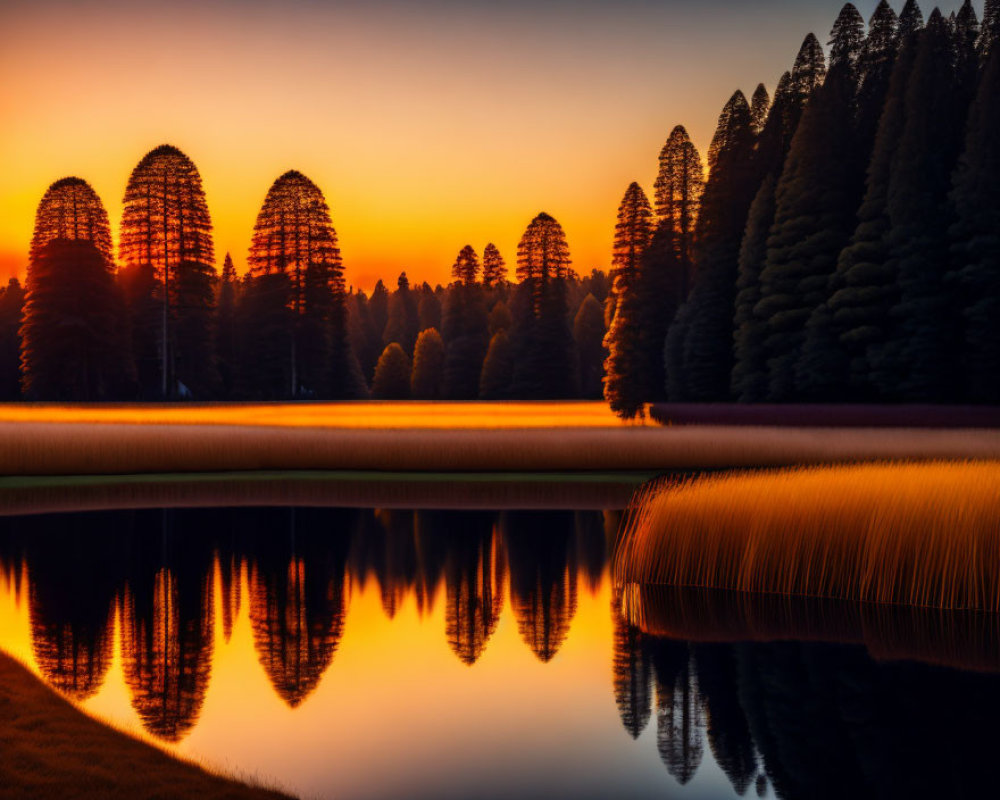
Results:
393 654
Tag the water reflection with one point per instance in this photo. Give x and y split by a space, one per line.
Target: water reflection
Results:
792 699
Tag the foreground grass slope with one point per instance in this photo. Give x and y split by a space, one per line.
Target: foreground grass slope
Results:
50 749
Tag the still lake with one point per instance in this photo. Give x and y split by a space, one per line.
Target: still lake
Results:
367 653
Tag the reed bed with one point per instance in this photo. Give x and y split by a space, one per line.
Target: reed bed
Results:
968 640
916 534
124 448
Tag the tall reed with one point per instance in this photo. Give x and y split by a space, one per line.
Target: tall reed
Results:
918 534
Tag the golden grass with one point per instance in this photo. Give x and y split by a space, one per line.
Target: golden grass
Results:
50 749
79 447
925 535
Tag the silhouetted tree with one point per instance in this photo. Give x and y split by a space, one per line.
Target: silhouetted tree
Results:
588 333
976 238
74 337
494 267
466 267
225 328
427 380
990 29
760 104
392 375
11 307
699 348
499 319
911 19
429 311
917 361
403 324
680 185
625 377
498 369
166 226
544 367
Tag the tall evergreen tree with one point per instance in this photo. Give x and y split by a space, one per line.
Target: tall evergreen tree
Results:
74 334
466 267
911 20
990 30
699 353
293 236
429 311
427 378
494 267
976 238
680 185
225 328
166 227
403 324
498 369
392 375
760 104
625 376
11 308
749 378
588 333
808 71
917 362
465 331
967 54
544 367
864 287
878 55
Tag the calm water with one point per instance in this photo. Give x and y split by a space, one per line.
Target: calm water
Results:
392 654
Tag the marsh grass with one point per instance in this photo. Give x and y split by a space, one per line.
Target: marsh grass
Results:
914 534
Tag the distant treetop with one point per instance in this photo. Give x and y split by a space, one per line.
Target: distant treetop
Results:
70 209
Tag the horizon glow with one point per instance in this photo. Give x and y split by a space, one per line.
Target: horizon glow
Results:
427 126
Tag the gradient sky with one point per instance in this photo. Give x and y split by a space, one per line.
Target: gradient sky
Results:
428 125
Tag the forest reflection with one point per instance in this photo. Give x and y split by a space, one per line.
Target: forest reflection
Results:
808 712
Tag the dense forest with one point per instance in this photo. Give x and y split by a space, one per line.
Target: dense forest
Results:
841 244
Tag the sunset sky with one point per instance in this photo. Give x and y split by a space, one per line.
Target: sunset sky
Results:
428 125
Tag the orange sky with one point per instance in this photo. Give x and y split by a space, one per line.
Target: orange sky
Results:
428 126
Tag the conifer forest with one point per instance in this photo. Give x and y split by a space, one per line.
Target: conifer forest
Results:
838 242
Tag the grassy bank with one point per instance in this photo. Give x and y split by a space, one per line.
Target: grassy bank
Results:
50 749
923 535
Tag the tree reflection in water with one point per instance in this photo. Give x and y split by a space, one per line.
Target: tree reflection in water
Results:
811 701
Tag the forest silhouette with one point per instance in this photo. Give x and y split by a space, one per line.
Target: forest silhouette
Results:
843 245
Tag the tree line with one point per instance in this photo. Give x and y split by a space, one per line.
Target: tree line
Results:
845 246
840 243
159 322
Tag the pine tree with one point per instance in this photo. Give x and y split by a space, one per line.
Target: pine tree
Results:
166 226
699 344
911 20
74 335
975 238
967 55
494 267
749 378
588 333
466 266
392 375
427 380
225 328
499 319
466 337
544 367
990 29
808 71
11 307
878 55
917 361
680 185
625 381
403 324
864 287
498 369
293 236
815 200
760 104
429 311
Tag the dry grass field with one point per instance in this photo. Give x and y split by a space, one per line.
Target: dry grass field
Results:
423 437
922 535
